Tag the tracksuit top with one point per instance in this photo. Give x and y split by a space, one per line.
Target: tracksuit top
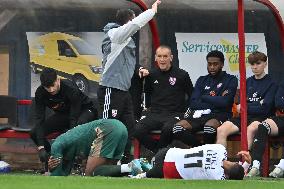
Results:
119 52
260 96
166 91
69 100
208 91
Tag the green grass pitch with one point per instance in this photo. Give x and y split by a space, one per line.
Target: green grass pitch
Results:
12 181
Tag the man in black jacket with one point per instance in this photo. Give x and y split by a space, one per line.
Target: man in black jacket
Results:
166 91
71 108
210 105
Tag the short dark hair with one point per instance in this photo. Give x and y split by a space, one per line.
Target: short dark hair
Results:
217 54
124 15
236 172
47 77
256 56
165 47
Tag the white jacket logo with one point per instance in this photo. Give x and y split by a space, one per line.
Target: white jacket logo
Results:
254 98
114 112
172 80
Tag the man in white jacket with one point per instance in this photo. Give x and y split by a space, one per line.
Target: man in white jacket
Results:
119 65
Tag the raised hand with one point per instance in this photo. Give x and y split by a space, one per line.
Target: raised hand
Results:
155 5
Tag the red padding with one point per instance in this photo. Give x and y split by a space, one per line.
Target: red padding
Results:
18 134
24 102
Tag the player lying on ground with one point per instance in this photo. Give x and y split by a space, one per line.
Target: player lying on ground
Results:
207 162
101 141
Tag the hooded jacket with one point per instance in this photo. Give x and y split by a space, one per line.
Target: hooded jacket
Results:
119 51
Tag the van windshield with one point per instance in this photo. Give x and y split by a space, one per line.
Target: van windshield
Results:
82 47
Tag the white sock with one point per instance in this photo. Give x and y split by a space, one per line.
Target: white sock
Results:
125 168
142 175
118 162
256 164
281 164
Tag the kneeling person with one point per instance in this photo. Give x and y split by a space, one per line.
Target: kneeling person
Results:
102 141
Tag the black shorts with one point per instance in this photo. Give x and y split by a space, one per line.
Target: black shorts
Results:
157 170
280 124
198 123
237 121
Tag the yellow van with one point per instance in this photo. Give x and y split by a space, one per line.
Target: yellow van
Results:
71 56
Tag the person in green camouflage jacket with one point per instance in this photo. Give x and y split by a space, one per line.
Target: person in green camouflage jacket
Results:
101 141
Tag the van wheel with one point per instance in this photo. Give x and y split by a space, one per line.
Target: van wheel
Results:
82 83
34 68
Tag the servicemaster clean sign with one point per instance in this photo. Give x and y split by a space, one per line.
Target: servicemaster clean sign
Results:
193 48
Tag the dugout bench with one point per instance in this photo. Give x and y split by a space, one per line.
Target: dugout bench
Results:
8 109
